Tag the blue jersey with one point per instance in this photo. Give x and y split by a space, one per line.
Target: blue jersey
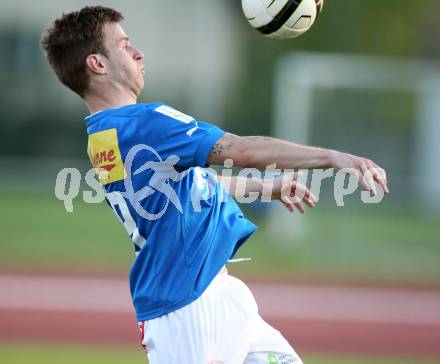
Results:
183 224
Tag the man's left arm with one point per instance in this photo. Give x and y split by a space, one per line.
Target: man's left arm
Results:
259 152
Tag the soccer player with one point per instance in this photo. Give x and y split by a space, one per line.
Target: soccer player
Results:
183 221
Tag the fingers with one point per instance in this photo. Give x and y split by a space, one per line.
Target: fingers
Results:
292 206
309 198
296 195
367 178
380 177
372 174
289 206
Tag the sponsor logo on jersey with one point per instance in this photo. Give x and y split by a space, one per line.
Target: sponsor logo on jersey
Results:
175 114
105 156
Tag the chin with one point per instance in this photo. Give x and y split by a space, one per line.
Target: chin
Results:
139 90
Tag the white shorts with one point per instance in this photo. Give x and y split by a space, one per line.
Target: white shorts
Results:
221 327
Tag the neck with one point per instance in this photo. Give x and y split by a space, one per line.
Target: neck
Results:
108 100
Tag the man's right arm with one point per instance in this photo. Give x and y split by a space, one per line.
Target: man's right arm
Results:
260 152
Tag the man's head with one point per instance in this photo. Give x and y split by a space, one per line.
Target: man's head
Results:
89 51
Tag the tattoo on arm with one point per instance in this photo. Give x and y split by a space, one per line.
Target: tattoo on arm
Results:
229 141
225 143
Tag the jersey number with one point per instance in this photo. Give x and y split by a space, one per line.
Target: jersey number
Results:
117 202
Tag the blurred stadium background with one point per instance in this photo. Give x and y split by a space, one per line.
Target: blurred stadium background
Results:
346 285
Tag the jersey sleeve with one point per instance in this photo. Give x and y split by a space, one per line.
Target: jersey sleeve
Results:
171 132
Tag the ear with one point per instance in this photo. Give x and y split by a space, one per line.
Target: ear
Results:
95 64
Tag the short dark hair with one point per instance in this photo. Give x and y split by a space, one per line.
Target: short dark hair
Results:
73 37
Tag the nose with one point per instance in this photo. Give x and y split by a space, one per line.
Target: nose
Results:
138 55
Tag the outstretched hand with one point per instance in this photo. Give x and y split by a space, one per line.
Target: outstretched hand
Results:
291 193
367 171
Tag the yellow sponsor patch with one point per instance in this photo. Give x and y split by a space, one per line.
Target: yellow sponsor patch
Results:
104 153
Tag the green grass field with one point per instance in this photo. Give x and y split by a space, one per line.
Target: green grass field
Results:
368 244
45 354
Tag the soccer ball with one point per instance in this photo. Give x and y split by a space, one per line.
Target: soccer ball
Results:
282 18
